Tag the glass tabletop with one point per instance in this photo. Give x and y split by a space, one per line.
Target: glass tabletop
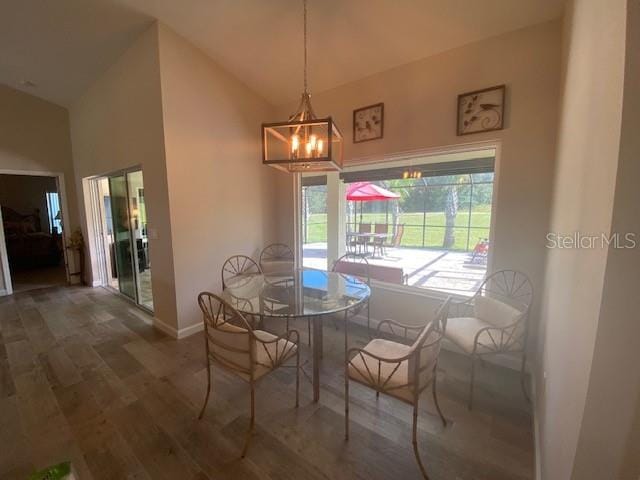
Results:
298 293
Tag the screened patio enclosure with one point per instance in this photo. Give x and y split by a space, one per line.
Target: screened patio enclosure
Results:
437 226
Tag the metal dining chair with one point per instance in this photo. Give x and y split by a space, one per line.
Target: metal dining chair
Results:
358 266
238 265
232 343
277 258
399 370
493 321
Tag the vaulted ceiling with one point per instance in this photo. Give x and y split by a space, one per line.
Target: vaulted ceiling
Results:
62 46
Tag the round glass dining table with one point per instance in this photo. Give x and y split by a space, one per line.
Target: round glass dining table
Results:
297 293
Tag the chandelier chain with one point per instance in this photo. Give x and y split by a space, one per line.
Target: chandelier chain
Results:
305 45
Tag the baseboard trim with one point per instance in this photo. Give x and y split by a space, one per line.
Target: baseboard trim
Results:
177 333
190 330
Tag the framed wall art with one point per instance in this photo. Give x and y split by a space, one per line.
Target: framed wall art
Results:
481 110
368 123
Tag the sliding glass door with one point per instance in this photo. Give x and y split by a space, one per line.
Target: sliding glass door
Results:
124 232
120 217
140 244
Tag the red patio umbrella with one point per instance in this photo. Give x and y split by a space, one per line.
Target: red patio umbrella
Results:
366 192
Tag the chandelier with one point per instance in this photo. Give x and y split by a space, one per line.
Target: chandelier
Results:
414 174
304 143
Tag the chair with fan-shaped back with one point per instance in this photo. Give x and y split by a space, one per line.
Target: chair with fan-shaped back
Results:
277 258
493 321
237 266
232 342
400 369
357 266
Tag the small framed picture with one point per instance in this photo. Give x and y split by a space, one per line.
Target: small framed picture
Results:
368 123
481 111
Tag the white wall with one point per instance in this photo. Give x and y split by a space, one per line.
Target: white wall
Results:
222 198
420 113
117 124
34 137
588 402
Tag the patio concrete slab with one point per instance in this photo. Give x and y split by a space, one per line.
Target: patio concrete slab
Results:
442 270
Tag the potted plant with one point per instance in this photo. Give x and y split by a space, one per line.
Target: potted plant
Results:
75 243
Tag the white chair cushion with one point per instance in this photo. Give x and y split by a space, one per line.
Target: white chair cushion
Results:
428 357
364 369
267 353
229 344
462 331
495 312
278 266
237 338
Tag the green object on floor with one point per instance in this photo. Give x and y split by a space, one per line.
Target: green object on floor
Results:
62 471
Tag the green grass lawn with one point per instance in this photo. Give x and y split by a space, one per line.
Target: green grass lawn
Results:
413 229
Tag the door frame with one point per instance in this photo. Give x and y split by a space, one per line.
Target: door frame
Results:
62 194
95 232
4 263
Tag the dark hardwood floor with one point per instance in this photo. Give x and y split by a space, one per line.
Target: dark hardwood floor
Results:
84 377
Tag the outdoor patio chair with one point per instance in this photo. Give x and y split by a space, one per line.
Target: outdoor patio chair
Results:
277 258
480 251
378 243
233 344
362 242
397 236
399 370
493 321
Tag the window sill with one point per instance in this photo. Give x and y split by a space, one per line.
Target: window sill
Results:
418 291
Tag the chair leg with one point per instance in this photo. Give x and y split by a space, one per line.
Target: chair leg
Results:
523 377
346 399
346 338
206 398
369 318
415 441
435 400
298 377
251 423
473 378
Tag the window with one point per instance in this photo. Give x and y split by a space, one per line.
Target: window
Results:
421 224
53 212
451 212
314 221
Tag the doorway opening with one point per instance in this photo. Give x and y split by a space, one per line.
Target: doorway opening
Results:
121 238
33 230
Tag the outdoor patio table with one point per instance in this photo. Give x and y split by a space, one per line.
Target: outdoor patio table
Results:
305 293
368 237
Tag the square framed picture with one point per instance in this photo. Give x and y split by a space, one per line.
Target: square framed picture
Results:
481 111
368 123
